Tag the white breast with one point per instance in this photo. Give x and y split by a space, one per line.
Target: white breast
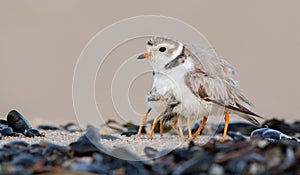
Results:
173 80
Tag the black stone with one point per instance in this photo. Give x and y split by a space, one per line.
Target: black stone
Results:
32 133
17 122
7 131
25 159
48 127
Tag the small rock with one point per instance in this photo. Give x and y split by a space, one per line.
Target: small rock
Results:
71 127
108 137
258 132
32 133
88 143
16 144
241 127
270 134
195 165
216 169
48 127
24 159
82 166
17 122
237 136
7 131
129 133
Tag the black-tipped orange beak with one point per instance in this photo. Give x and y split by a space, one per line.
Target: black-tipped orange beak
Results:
145 55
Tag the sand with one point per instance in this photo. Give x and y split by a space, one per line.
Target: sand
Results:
132 144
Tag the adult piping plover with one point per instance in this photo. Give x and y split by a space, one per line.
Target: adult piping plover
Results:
197 79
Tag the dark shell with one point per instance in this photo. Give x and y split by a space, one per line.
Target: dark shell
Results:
16 144
108 137
32 133
24 159
258 132
4 122
195 165
270 134
48 127
81 166
237 136
282 126
84 148
55 154
88 143
129 133
242 127
17 121
7 131
71 127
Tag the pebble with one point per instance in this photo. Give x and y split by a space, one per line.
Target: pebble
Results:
71 127
269 134
48 127
17 121
216 169
7 131
241 127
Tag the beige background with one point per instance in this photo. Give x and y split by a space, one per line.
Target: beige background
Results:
40 42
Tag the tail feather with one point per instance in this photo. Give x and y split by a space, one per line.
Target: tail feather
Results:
250 119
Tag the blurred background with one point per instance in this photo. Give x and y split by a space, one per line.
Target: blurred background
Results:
40 42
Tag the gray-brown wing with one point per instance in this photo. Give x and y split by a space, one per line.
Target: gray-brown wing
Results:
213 81
218 91
207 59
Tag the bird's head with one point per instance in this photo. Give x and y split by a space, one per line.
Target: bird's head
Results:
161 51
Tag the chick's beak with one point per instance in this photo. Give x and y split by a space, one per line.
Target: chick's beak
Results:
145 55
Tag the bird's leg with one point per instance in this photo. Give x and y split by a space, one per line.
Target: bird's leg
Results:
174 126
144 118
200 127
161 128
180 128
189 128
153 127
226 118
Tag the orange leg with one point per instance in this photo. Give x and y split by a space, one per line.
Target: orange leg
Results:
161 128
153 127
144 118
180 128
200 127
174 126
226 118
189 128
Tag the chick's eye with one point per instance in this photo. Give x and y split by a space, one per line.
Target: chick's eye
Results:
162 49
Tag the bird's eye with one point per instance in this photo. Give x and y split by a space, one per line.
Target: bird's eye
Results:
150 43
162 49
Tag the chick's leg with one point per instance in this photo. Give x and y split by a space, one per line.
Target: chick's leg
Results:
189 128
144 118
180 128
153 127
161 128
